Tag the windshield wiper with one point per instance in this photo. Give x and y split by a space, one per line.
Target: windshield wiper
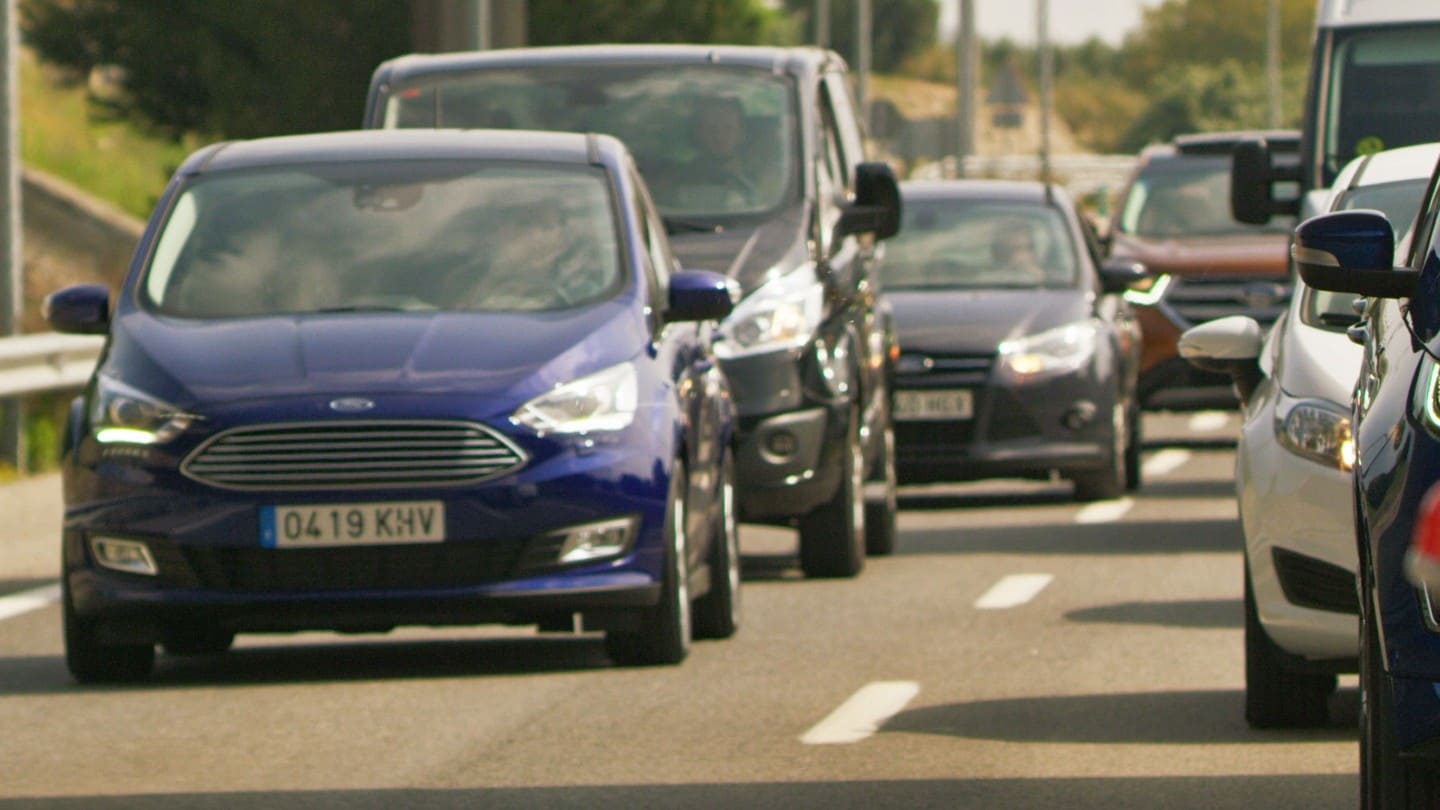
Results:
674 225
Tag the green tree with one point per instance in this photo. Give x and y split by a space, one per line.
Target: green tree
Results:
566 22
1209 32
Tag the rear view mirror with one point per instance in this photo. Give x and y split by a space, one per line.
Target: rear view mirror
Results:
1351 251
1119 275
1253 173
1229 346
700 295
82 309
877 203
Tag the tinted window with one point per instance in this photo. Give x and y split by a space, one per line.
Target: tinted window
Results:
710 141
949 244
1384 92
403 236
1180 197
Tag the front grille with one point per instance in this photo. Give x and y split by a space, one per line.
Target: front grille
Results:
354 568
924 370
353 455
1315 584
1198 300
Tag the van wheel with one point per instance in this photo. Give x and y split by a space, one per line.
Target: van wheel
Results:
91 661
1277 697
881 502
717 613
832 536
663 636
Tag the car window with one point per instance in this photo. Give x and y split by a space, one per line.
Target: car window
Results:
1185 197
710 140
417 235
947 244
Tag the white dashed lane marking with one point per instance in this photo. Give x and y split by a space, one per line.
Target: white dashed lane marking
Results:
1164 462
18 603
1209 421
1104 511
1012 591
863 714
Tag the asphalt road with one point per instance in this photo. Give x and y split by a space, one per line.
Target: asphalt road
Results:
1018 651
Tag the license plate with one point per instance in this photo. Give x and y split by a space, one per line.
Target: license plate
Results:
939 404
352 524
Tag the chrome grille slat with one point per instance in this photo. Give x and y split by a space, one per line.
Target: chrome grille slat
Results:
368 454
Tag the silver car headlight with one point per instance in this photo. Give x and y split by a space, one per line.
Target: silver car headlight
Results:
599 402
122 414
1315 429
1055 351
782 314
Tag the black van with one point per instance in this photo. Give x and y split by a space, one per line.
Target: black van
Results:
754 157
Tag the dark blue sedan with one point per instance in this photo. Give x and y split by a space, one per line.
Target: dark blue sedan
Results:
361 380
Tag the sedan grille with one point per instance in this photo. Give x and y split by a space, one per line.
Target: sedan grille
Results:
353 455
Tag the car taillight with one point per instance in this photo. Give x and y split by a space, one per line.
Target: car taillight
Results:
1422 561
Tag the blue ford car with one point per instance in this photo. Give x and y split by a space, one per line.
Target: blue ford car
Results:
361 380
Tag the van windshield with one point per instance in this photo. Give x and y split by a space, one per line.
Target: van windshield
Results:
710 141
1384 92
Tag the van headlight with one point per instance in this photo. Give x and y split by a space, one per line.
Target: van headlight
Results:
1055 351
1316 430
782 314
122 414
603 401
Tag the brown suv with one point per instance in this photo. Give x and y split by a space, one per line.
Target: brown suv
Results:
1174 216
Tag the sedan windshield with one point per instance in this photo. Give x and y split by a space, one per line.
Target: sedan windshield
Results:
710 141
370 236
950 244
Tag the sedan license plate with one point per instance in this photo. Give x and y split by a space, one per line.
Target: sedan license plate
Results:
939 404
352 524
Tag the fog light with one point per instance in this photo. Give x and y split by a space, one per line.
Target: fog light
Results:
130 556
596 541
781 443
1080 414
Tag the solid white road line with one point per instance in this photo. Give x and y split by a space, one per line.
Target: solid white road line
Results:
1014 590
1104 511
1166 461
26 601
863 714
1208 421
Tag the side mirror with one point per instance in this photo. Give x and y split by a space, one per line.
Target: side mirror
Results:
83 309
1351 251
877 203
1253 173
1119 275
1229 346
700 295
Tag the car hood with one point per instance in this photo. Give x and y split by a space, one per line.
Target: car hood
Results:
501 357
976 321
1262 255
752 254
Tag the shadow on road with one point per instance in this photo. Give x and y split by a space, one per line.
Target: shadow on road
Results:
1140 537
1210 614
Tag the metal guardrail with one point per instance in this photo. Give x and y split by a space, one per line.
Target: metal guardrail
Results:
47 361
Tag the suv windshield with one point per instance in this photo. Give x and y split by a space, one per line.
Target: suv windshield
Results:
1185 196
950 244
711 141
418 235
1385 92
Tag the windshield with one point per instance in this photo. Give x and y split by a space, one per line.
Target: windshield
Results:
979 244
411 236
1384 93
710 141
1186 196
1399 201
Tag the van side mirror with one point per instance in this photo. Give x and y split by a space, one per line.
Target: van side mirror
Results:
1351 251
877 203
1253 174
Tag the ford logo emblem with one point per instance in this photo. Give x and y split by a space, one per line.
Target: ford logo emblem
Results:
351 405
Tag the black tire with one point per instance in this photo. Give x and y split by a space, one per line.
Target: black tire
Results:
90 661
881 502
1109 481
664 632
1133 445
1276 696
832 537
1386 781
717 613
197 641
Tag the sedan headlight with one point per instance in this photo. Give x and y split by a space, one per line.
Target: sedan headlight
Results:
603 401
1316 430
122 414
782 314
1055 351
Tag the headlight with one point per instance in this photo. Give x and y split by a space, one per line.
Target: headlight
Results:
122 414
1316 430
782 314
1054 351
603 401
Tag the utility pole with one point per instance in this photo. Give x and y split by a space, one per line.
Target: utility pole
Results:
822 23
862 49
12 271
967 60
1272 62
1047 70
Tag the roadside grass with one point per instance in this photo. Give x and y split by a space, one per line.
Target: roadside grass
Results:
112 160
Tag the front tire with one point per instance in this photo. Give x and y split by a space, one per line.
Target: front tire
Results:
717 613
881 501
1277 697
664 634
91 661
832 537
1108 482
